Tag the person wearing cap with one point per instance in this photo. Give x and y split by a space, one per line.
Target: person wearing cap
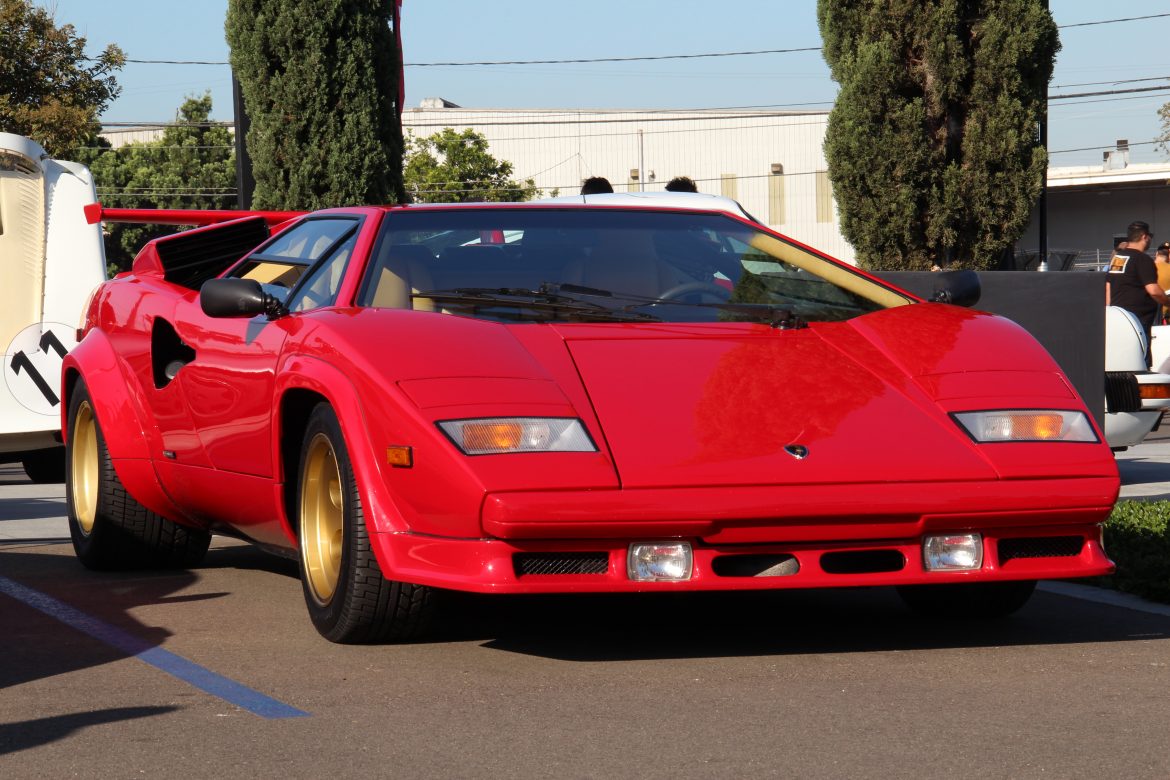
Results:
1132 283
1162 263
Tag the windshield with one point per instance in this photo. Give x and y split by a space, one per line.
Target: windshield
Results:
590 264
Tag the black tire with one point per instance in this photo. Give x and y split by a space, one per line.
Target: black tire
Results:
348 598
110 530
968 600
45 466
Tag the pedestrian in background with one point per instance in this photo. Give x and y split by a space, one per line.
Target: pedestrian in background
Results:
595 185
1132 283
682 184
1162 263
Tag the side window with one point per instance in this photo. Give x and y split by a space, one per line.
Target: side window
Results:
308 240
279 265
320 289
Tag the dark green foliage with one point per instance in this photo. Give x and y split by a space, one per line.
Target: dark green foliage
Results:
48 90
450 167
320 83
932 143
1137 538
192 167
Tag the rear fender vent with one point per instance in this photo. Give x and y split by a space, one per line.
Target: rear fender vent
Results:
755 565
531 564
1122 393
1040 547
862 561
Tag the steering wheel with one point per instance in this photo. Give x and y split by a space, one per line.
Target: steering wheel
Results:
710 288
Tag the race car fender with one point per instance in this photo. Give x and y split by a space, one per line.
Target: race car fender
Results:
120 417
303 373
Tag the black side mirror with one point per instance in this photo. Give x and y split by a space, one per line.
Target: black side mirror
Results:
238 298
959 288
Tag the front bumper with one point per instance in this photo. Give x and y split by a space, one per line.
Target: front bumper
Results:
764 538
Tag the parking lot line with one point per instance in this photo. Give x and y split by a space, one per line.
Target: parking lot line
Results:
175 665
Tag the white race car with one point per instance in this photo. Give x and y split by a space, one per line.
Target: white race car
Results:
51 259
1135 396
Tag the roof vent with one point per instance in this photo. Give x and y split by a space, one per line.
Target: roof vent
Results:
437 102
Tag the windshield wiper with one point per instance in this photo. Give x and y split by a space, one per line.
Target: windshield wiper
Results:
537 300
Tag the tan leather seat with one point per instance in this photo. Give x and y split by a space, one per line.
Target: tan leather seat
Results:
401 270
623 261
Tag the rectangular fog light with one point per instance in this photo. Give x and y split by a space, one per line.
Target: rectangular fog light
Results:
952 552
659 562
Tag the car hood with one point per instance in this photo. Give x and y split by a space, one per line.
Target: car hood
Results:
860 401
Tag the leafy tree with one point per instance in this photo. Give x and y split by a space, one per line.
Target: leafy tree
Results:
319 79
451 167
932 143
49 92
191 166
1164 139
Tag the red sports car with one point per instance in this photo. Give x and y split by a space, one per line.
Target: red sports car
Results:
564 398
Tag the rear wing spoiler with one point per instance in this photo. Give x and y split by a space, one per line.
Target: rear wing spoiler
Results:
189 258
95 213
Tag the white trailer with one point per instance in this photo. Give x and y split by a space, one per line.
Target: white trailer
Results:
51 259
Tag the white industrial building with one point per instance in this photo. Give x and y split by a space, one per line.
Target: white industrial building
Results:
770 161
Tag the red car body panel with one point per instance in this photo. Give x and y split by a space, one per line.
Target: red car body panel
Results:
689 421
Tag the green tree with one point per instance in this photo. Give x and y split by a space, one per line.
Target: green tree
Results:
932 142
192 166
451 167
49 90
319 79
1164 139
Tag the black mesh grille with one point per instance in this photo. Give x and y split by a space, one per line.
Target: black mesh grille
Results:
1121 392
561 563
1040 547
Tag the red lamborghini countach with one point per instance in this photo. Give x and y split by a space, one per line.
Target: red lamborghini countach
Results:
569 397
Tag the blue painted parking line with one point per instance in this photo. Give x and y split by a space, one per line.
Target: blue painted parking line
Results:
175 665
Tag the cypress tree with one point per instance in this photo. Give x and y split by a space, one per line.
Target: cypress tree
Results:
320 83
932 144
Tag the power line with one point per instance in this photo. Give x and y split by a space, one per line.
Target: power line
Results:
588 60
1113 21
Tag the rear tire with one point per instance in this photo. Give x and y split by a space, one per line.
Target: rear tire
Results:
348 598
968 600
45 467
110 530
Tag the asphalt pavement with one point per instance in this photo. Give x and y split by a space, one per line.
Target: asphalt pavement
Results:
1145 469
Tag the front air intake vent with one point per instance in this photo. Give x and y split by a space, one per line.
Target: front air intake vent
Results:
1040 547
533 564
862 561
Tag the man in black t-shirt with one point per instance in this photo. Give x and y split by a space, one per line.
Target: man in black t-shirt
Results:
1132 283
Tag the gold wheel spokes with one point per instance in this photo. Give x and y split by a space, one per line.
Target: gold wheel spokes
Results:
83 478
322 521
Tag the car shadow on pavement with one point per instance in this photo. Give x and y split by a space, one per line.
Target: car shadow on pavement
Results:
661 626
39 643
22 735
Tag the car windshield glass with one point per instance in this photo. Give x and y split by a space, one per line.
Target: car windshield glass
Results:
671 265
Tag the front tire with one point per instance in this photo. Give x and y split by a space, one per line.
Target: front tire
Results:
968 599
348 598
109 529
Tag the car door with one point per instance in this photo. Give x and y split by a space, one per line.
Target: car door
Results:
229 385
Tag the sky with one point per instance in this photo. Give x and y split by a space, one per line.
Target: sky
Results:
1094 58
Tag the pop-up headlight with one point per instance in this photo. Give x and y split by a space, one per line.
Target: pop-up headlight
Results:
496 435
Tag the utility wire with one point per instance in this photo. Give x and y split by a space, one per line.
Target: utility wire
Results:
586 60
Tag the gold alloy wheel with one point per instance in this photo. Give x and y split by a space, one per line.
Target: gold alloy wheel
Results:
84 468
322 519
